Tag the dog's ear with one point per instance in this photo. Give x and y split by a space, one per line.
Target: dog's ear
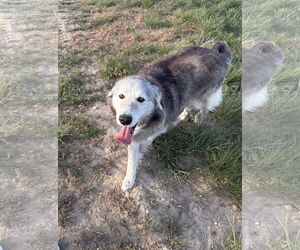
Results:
157 98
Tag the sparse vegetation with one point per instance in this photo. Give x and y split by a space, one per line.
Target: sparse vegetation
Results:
104 20
114 67
154 21
70 89
77 127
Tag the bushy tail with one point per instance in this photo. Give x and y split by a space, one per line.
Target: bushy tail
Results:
269 48
222 48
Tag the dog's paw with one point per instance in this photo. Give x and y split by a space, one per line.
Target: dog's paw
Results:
127 183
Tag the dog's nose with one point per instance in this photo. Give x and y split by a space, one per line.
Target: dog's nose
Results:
125 119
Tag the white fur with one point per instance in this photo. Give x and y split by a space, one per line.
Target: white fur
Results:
133 88
214 100
134 156
251 102
209 104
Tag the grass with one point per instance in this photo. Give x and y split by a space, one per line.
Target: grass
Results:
154 21
233 241
73 58
272 145
65 207
97 22
77 127
217 151
70 89
125 4
114 67
172 230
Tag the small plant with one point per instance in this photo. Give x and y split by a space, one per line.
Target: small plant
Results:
77 127
105 3
70 88
114 67
104 20
155 22
71 59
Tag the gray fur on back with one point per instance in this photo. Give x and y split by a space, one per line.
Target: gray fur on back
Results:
191 73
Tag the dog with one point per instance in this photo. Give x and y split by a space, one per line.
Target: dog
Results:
162 94
260 64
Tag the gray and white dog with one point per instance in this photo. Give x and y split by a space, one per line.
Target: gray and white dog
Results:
163 92
260 64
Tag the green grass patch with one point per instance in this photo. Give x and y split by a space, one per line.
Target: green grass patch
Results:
114 67
70 59
138 3
233 241
102 4
217 151
71 89
155 21
77 128
99 21
105 3
122 64
230 111
146 49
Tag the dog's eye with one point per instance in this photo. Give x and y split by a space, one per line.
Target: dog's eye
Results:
140 99
121 96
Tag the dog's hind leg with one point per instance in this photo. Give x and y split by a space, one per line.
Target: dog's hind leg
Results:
134 156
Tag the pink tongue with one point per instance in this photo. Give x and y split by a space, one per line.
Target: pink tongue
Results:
124 136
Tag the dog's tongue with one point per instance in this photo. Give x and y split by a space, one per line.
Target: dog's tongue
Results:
124 136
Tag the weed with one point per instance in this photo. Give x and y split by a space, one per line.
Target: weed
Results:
154 21
77 127
70 88
99 21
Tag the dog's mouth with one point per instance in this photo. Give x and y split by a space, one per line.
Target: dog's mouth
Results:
125 134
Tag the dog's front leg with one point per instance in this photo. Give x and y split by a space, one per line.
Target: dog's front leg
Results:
134 156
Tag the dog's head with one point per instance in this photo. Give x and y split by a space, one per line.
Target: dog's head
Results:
134 99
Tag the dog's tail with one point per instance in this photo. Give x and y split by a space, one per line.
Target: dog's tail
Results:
222 48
